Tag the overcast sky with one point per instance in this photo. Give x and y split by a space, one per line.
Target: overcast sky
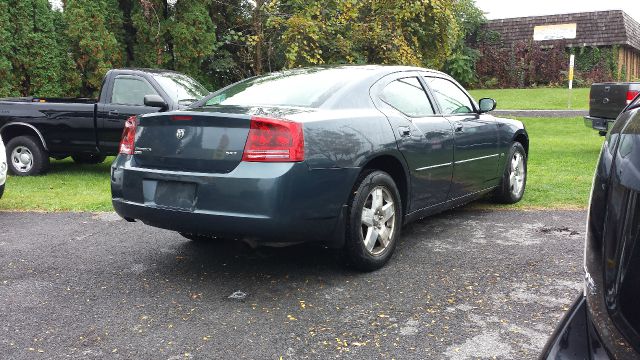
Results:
500 9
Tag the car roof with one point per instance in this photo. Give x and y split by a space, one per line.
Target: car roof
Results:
378 69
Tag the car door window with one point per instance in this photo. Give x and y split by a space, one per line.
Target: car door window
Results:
130 90
451 98
407 96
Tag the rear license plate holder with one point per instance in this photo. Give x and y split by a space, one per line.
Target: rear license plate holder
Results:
175 195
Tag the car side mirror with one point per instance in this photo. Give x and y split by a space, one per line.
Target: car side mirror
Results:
155 101
486 105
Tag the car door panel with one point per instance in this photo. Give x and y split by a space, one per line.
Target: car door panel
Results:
476 153
126 100
426 142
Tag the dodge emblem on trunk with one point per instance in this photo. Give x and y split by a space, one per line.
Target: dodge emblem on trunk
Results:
180 134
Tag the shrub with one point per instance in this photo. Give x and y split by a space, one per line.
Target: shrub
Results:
527 64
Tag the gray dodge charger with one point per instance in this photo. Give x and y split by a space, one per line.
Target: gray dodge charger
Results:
342 156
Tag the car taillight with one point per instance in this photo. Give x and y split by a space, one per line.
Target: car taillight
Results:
274 140
631 94
127 142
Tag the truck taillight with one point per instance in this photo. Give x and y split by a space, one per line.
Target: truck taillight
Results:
127 142
631 94
274 140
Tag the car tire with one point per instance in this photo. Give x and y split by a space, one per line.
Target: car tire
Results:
89 159
514 179
2 190
374 222
26 156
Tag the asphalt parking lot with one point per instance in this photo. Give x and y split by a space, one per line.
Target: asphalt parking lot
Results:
465 284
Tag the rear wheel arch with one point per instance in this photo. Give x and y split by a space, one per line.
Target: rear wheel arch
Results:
396 169
13 130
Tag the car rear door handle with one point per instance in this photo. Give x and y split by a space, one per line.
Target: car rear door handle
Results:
459 127
113 113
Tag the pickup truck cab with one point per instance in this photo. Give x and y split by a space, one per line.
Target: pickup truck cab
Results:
36 129
607 101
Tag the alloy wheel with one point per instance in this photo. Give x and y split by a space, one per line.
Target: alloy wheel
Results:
378 220
517 175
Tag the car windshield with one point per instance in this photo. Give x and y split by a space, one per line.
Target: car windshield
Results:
181 88
303 88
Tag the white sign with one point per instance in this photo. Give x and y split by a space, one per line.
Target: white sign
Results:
554 32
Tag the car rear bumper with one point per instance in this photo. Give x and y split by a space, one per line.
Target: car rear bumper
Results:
600 124
266 202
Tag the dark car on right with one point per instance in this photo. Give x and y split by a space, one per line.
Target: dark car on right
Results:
604 322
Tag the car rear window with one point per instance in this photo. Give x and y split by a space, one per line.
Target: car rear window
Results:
304 88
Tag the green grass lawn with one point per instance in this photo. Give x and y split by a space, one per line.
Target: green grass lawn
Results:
562 159
67 186
536 99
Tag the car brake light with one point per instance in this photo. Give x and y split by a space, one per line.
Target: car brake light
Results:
127 145
274 140
631 94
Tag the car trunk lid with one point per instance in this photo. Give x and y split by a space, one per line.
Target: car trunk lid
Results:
210 142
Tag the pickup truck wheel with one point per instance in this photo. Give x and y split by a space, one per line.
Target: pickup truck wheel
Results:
90 159
374 222
26 156
514 179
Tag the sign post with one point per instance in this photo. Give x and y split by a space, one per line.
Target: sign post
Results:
572 60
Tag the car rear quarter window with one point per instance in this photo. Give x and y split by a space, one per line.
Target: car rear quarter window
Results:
451 98
407 96
130 90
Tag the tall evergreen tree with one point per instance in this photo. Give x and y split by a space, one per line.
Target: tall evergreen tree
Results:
94 42
193 36
39 59
6 68
151 41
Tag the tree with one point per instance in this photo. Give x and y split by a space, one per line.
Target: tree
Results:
367 31
51 53
193 35
233 58
151 40
94 42
6 67
461 64
37 50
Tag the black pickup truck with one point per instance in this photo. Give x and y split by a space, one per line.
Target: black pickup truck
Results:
606 102
36 129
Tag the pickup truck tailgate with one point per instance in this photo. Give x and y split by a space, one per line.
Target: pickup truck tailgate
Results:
607 100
